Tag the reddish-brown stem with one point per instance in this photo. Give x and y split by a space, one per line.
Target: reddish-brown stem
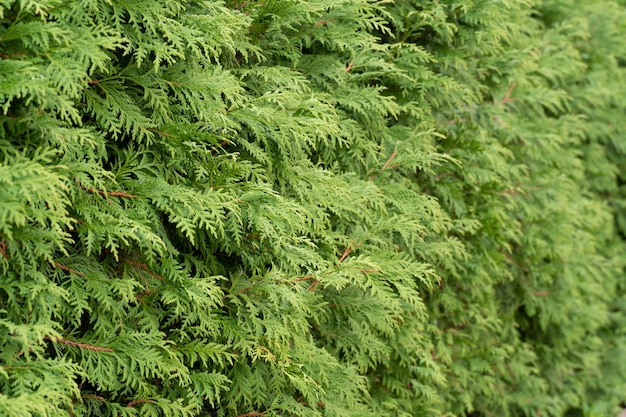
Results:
510 258
158 132
391 158
68 269
144 294
135 402
349 67
443 175
305 278
387 164
266 350
117 194
507 97
311 287
323 22
510 191
145 268
81 345
94 397
251 414
249 287
222 143
345 254
6 56
348 251
110 193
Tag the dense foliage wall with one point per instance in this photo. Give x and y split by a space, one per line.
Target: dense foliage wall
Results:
312 208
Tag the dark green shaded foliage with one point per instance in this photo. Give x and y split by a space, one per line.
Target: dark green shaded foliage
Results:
312 208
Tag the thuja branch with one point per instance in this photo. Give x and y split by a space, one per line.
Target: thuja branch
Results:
112 193
305 278
93 397
80 345
144 267
391 158
345 254
144 294
507 96
387 164
135 402
107 193
68 269
514 262
311 287
348 251
323 22
218 146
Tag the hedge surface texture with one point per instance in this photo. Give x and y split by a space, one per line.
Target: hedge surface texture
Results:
312 208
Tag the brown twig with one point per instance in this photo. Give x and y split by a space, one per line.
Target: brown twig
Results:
349 67
323 22
249 287
305 278
391 158
135 402
158 132
145 268
345 254
443 175
117 194
510 258
266 350
540 293
311 287
499 121
252 414
80 345
222 143
507 96
387 164
511 191
3 249
108 193
68 269
6 56
144 294
348 251
94 397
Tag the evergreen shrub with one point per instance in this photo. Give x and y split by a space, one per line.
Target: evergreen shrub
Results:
312 208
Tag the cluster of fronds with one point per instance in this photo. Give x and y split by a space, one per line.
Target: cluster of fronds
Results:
312 208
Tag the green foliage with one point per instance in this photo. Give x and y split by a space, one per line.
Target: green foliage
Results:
312 208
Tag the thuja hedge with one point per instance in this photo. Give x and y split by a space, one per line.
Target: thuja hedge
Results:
312 208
